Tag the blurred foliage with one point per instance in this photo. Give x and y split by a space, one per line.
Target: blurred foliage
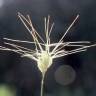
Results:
6 91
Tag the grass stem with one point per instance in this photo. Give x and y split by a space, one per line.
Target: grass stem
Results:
42 85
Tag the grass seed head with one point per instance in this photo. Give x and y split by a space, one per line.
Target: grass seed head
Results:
42 53
44 61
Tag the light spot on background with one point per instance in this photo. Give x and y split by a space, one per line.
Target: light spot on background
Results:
1 3
65 75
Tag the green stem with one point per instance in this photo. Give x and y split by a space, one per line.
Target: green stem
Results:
42 84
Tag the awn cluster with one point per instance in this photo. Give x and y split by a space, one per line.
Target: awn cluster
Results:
45 51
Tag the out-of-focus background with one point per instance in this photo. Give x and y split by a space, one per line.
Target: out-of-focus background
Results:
73 75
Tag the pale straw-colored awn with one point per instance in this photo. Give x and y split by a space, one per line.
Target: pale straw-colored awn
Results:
45 51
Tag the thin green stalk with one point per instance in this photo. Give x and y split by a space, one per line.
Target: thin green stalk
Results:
42 85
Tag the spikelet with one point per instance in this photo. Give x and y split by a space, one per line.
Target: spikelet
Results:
42 53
